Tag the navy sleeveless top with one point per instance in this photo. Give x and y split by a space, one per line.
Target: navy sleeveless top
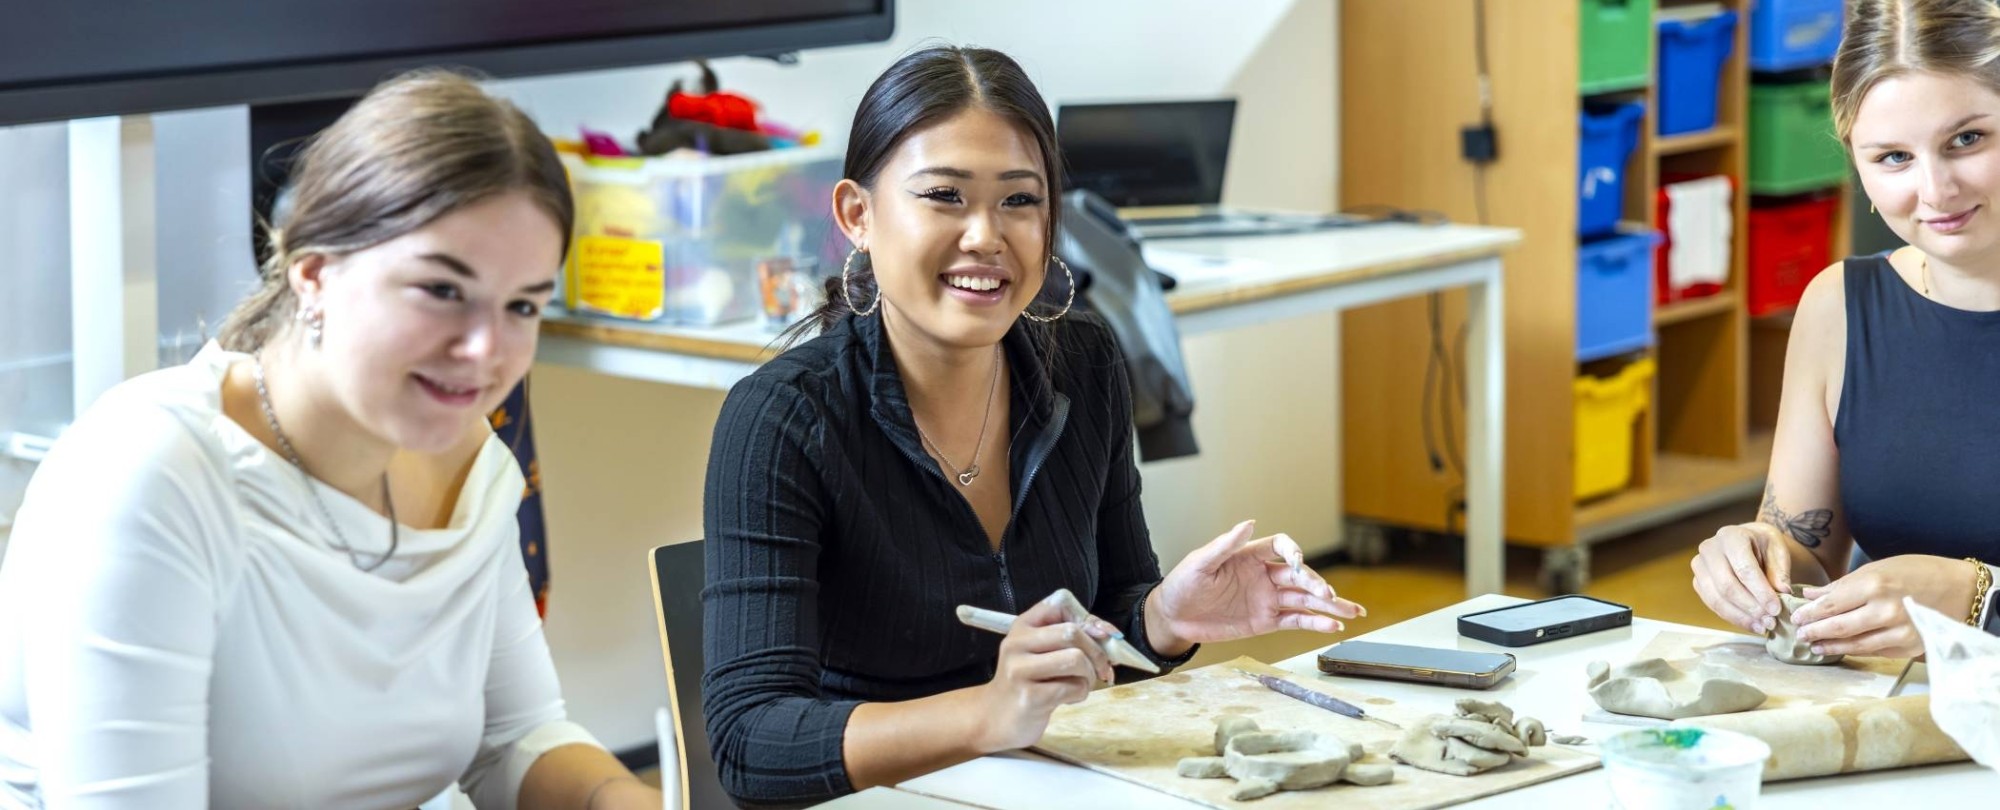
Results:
1919 422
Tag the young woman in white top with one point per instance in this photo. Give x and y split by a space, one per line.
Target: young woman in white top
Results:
287 574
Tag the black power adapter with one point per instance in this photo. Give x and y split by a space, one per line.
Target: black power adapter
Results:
1479 143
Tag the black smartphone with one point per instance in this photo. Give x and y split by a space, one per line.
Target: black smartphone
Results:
1399 662
1546 620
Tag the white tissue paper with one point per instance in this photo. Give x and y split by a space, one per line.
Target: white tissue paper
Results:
1964 664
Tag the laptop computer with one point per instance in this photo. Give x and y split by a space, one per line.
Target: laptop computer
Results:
1162 163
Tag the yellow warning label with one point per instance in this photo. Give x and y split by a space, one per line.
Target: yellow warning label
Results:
621 277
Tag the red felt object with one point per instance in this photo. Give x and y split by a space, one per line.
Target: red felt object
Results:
721 109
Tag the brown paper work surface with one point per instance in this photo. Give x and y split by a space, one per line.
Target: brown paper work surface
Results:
1138 732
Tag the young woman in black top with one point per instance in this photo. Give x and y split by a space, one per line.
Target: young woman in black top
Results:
1886 440
942 442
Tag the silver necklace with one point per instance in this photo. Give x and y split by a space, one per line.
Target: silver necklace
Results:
968 475
285 443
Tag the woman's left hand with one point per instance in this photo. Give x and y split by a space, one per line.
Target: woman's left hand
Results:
1862 613
1236 587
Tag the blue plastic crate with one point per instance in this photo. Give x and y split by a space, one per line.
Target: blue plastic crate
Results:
1614 294
1794 34
1691 57
1604 145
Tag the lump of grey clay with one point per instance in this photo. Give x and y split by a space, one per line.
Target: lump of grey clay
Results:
1531 731
1655 688
1368 773
1265 762
1491 711
1230 726
1483 735
1783 641
1295 760
1201 768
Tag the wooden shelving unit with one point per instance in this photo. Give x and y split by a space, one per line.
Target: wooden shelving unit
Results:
1721 303
1399 146
1721 136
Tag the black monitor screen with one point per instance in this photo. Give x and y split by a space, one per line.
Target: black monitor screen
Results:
1162 153
74 58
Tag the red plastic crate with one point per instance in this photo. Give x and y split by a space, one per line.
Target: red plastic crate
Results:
1789 244
1662 293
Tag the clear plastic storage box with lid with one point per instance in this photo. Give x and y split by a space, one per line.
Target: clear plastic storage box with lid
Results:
678 240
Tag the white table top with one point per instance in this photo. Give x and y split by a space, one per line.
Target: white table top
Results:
1213 272
882 798
1225 270
1548 685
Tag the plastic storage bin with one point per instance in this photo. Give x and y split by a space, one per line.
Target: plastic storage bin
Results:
1614 295
1794 34
1792 146
1616 42
1789 244
1705 245
677 241
1606 410
1605 144
1691 55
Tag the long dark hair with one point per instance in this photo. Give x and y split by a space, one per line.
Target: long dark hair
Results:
921 89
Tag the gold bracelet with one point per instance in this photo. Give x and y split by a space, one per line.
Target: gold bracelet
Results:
1982 583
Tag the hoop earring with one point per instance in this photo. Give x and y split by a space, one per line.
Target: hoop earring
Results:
1871 208
1067 301
847 289
315 320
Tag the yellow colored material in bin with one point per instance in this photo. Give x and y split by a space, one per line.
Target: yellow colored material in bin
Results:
1606 410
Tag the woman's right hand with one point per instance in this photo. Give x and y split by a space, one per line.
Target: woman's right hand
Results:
1046 661
1740 572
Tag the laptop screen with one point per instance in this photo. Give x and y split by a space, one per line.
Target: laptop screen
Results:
1156 153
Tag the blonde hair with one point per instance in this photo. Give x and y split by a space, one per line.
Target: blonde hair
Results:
416 148
1889 38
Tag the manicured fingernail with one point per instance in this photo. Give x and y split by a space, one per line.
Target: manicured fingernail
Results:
1818 650
1763 626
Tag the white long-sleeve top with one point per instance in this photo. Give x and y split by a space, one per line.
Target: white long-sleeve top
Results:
179 630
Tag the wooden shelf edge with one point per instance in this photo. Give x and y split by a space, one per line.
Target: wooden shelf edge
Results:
612 334
1693 308
1682 485
1721 135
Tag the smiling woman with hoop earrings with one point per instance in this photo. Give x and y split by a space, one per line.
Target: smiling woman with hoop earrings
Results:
956 434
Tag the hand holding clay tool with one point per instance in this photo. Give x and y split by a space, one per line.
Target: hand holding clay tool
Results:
1315 697
1119 650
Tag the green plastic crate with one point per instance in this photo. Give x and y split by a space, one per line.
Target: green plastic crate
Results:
1792 147
1616 45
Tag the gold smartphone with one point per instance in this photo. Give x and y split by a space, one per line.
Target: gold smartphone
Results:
1399 662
